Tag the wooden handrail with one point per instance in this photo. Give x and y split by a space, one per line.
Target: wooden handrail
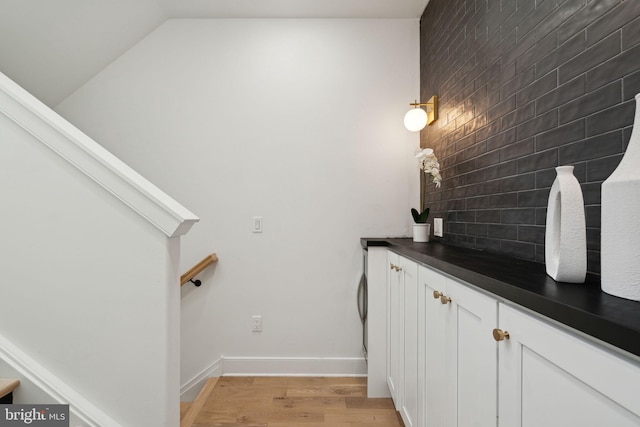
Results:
198 268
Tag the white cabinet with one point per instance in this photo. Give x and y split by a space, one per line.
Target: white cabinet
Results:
444 368
471 365
402 337
377 279
395 324
431 348
458 385
550 377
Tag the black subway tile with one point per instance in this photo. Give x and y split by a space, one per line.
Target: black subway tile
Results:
488 216
518 149
501 109
477 229
518 216
612 118
457 228
522 114
631 86
561 95
519 182
562 54
541 86
536 17
592 216
595 101
541 216
502 231
488 159
518 249
584 17
503 169
543 160
508 200
594 55
591 193
613 20
593 239
601 169
502 139
497 66
489 187
631 34
531 233
533 198
545 178
537 125
620 66
560 136
466 216
592 148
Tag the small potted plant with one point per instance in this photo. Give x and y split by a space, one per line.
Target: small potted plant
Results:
429 165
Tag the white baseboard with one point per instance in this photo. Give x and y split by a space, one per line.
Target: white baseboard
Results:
274 366
82 411
295 366
190 390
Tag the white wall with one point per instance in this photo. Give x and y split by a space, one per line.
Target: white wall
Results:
297 121
89 287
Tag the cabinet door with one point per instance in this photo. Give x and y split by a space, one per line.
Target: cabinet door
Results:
431 348
395 322
409 364
471 357
377 276
550 377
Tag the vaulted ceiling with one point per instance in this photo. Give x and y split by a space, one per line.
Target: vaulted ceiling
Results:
52 47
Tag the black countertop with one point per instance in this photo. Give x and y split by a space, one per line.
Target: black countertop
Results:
581 306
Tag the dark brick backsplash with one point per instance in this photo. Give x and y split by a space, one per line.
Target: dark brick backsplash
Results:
525 86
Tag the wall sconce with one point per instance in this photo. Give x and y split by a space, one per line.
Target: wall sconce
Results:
416 119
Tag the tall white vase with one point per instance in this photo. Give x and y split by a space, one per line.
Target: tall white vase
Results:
620 248
566 233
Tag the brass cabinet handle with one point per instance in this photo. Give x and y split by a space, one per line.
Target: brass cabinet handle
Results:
395 267
437 294
500 335
391 266
445 299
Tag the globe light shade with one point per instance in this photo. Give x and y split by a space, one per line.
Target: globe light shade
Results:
415 120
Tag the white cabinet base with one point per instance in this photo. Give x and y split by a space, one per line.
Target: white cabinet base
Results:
550 377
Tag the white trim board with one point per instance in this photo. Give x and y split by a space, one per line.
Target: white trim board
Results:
93 160
295 366
42 378
275 366
190 390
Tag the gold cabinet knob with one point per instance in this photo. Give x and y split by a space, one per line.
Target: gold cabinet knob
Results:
437 294
500 335
445 299
391 266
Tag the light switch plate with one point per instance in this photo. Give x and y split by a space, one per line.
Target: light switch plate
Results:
257 224
437 227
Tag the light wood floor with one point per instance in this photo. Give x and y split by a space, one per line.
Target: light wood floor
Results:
295 402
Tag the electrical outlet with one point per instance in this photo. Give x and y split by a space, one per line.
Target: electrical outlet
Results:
256 323
257 224
437 227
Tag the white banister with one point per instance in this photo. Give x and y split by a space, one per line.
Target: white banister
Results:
52 130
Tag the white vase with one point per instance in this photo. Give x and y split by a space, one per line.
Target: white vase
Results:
620 233
566 233
421 232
